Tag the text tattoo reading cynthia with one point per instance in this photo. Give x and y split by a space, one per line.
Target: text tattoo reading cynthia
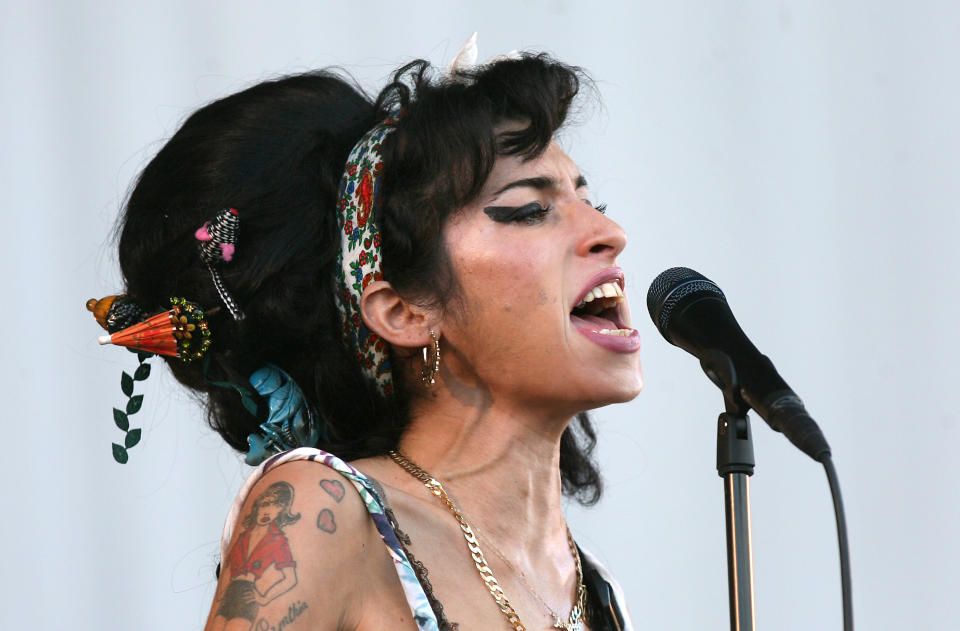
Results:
292 614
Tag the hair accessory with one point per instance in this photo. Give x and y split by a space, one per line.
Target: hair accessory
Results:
466 58
289 423
180 332
359 258
115 313
218 244
431 361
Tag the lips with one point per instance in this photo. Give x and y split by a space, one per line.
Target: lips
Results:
598 314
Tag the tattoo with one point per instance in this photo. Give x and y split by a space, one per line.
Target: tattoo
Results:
326 522
334 489
260 565
294 612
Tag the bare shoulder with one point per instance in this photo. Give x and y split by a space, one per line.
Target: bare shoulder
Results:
303 549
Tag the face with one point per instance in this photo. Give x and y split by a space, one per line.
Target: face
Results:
543 317
267 510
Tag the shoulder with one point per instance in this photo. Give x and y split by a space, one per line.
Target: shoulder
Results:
313 507
302 539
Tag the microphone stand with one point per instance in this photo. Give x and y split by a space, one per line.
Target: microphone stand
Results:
735 464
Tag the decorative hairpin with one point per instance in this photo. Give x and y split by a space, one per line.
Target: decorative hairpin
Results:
218 244
180 332
289 422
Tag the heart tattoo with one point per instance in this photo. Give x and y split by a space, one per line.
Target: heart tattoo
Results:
333 488
326 522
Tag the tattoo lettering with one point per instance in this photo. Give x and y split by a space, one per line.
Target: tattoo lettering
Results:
326 521
294 612
259 566
334 489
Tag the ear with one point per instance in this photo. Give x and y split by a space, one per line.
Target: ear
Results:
394 319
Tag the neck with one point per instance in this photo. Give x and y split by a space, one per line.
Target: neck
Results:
499 462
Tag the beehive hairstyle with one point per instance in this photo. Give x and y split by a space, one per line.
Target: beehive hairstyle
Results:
276 152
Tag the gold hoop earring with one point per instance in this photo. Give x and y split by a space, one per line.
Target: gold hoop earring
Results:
431 361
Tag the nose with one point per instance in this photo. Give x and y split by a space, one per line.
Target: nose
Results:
601 235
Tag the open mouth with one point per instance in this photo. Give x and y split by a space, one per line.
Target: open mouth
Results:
600 310
599 315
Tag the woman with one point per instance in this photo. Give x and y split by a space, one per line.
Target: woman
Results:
259 566
449 303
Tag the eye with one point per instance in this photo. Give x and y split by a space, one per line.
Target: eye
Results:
529 214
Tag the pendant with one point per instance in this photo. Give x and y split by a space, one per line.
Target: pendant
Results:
567 626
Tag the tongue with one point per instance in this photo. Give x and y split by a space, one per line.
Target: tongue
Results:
592 322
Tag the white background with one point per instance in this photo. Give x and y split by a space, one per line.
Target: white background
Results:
804 155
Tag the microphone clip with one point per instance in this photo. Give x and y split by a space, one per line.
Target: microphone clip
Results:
734 435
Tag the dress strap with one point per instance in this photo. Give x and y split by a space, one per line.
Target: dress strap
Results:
416 598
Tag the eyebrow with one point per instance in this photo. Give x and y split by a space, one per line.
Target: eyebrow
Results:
540 183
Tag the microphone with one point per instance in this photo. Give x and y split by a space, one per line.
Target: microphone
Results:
691 312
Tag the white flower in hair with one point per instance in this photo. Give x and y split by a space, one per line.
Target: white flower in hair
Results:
466 57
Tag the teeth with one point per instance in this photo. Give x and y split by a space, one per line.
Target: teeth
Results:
620 332
605 290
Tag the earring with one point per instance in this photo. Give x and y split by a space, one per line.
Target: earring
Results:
431 365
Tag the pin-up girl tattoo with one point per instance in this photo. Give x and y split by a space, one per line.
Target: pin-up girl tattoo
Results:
259 565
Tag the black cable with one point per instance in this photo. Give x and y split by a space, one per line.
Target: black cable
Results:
842 541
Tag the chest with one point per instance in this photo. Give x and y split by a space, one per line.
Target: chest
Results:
449 573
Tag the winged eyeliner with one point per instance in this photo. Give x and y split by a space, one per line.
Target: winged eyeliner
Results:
507 214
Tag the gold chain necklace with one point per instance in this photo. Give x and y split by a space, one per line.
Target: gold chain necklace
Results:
574 622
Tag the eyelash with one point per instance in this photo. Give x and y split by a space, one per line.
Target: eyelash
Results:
538 214
532 213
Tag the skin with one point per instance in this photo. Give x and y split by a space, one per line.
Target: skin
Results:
514 371
273 583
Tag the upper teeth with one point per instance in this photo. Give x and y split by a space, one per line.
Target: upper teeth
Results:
604 290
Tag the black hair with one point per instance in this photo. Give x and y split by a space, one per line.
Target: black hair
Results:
282 492
276 152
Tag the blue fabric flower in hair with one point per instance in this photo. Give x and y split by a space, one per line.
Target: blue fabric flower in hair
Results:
289 422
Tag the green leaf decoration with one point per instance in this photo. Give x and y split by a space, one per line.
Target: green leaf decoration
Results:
133 405
143 371
142 356
126 384
133 437
120 454
121 419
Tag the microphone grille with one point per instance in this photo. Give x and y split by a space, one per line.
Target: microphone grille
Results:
672 286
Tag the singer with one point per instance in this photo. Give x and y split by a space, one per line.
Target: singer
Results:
401 309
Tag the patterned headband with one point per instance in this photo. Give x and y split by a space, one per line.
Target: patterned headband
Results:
359 258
